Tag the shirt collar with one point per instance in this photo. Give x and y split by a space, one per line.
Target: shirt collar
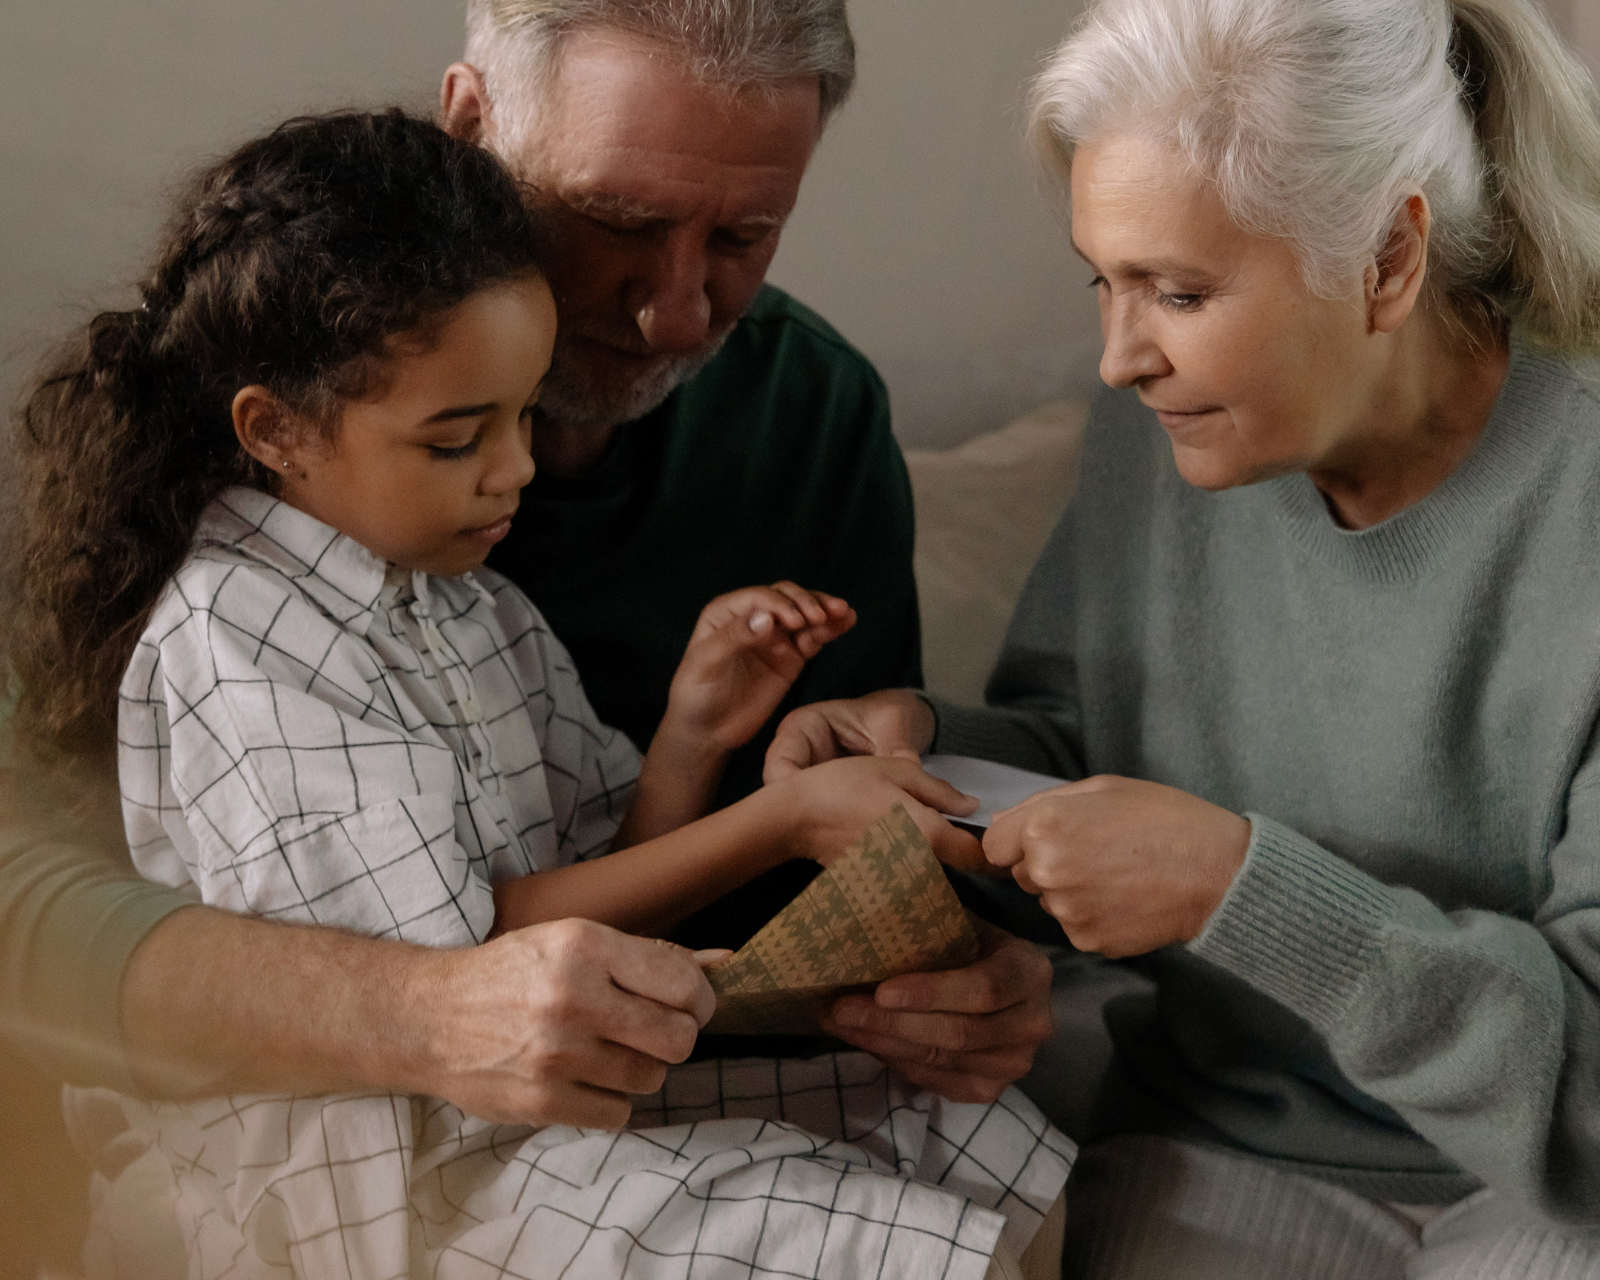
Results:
335 570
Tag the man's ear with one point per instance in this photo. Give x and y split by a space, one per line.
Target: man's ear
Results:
1394 281
464 108
266 430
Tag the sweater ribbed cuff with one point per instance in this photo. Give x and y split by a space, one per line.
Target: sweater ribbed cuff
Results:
982 732
1298 923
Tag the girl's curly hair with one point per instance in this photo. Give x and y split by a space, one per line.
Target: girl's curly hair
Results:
291 264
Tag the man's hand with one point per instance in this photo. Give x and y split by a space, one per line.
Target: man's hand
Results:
1126 866
560 1023
554 1024
748 647
966 1033
891 722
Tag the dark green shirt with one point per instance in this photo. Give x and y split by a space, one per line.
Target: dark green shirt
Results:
775 462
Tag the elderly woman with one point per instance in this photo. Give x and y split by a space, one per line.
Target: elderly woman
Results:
1319 641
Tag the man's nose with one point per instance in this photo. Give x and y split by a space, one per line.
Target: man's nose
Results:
1130 354
668 298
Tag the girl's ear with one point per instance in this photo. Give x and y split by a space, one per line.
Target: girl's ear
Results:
266 430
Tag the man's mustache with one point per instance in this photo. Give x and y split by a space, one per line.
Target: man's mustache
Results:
626 338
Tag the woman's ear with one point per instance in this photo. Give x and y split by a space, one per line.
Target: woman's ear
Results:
266 430
1394 281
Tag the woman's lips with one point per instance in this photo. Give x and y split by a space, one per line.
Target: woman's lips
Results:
1180 419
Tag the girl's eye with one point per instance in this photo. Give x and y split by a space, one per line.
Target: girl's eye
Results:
459 451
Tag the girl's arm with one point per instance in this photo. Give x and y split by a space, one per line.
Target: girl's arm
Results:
815 814
746 650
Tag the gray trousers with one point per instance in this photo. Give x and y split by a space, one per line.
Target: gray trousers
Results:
1146 1208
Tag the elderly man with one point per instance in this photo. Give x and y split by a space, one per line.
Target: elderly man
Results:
698 432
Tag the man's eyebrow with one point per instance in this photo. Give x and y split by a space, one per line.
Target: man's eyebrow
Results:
461 411
602 205
599 204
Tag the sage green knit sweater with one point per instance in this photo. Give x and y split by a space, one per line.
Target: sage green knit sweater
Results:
1401 991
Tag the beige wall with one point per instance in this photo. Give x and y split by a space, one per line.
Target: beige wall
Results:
919 231
919 234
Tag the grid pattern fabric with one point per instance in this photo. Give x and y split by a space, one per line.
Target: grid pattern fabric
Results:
307 734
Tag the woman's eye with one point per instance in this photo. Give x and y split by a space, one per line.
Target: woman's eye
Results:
459 451
1099 282
1182 301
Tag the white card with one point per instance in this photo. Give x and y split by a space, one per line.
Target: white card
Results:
997 786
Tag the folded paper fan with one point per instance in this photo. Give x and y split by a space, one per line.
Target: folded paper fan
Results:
881 909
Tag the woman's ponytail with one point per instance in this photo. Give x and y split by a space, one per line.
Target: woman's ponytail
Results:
1537 118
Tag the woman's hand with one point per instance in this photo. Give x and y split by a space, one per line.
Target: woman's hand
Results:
891 722
1125 866
830 805
746 650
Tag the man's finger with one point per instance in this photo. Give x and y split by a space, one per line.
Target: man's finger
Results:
982 987
663 973
956 1033
615 1068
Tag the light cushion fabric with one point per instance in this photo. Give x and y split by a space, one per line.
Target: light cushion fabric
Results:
984 510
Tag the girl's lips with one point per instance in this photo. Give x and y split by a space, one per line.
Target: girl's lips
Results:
491 533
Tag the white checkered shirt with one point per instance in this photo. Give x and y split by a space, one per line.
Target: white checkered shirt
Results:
311 736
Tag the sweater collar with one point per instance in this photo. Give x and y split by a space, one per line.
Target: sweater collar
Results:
1531 413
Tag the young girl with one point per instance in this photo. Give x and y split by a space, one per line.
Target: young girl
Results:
261 502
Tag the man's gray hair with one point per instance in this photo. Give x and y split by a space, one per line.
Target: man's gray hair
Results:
516 44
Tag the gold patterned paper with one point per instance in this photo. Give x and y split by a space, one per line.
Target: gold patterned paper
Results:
882 909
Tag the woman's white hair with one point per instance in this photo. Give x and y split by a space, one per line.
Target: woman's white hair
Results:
1319 119
516 44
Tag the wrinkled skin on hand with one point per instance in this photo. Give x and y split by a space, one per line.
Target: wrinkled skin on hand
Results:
560 1023
965 1034
1125 866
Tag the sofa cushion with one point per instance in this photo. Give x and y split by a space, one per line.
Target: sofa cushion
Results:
984 510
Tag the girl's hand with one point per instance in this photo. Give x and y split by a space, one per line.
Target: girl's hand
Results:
830 805
1125 866
746 650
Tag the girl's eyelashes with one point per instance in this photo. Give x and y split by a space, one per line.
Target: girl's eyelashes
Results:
445 454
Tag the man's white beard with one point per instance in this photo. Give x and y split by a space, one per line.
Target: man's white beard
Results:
577 394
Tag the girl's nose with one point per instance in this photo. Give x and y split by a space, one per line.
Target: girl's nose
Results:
510 466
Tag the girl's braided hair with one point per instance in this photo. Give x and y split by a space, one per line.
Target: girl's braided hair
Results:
291 264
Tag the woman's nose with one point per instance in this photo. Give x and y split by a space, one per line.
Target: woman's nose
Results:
1131 355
